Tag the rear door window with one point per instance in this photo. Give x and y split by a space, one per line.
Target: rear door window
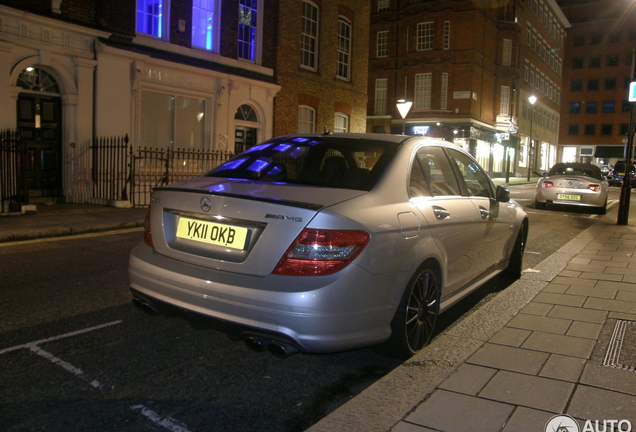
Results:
432 174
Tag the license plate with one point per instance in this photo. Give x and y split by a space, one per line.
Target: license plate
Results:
212 233
569 197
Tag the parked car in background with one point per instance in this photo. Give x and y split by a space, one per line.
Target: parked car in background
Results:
573 184
322 243
618 173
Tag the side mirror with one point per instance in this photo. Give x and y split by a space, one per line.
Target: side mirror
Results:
503 194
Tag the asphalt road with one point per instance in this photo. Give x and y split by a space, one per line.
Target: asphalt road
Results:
76 355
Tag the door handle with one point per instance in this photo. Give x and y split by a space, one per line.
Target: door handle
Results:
484 213
440 213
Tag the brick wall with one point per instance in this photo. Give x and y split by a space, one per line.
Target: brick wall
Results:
321 89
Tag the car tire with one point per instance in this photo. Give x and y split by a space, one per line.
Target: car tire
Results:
414 322
515 265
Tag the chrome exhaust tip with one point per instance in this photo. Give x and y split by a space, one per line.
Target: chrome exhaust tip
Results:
255 344
144 306
281 350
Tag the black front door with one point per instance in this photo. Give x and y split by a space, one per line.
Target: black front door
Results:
39 121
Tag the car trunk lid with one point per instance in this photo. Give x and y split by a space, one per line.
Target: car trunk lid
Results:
235 225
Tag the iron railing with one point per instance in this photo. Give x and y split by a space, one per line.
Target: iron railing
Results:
14 190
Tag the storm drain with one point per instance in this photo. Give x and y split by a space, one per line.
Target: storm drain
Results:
621 352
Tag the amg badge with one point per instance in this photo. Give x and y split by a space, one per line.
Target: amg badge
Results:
283 217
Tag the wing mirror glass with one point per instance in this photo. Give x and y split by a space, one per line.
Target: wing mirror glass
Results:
503 194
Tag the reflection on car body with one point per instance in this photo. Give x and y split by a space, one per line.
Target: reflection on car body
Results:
573 184
340 241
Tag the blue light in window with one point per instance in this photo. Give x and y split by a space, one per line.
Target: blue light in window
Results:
282 147
233 164
257 148
258 165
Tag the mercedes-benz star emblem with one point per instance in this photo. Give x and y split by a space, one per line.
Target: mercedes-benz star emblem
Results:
206 204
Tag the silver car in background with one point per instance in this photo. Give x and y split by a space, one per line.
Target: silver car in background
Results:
573 184
322 243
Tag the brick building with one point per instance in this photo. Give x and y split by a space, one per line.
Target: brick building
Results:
595 111
469 68
322 66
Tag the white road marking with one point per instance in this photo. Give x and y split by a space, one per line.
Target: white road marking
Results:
65 365
166 422
71 237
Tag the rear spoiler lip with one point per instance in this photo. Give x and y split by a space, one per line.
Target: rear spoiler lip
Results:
298 204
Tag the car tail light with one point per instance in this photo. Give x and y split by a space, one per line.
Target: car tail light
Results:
594 187
147 230
317 252
548 184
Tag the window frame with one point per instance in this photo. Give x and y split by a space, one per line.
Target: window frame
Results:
304 120
309 42
162 19
382 44
212 14
344 49
425 36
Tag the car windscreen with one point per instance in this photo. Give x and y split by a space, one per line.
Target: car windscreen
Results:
318 161
591 171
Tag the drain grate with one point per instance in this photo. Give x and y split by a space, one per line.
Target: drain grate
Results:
621 352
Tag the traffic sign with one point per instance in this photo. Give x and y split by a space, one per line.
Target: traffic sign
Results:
632 91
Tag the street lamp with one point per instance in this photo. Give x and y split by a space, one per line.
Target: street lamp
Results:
403 107
532 99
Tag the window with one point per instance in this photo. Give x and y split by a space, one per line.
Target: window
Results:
446 35
423 91
343 63
610 83
627 106
596 39
591 107
623 129
306 119
575 107
170 121
152 18
608 107
341 123
504 107
204 24
383 5
607 129
382 49
579 40
425 35
380 96
615 37
507 52
247 29
589 129
444 91
309 36
576 85
577 63
476 180
595 61
573 129
432 174
612 60
593 84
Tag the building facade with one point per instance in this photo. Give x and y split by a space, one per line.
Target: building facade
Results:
597 74
470 68
169 74
322 66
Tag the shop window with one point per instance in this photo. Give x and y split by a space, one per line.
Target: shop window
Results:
171 121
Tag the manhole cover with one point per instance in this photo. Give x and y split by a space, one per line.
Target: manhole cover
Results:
621 352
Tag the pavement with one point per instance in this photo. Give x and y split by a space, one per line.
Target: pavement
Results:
560 341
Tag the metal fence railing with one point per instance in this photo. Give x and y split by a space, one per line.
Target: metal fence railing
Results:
13 171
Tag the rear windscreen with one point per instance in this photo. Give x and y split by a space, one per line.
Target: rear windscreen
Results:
318 161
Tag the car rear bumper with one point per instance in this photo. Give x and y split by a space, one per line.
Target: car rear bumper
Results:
325 314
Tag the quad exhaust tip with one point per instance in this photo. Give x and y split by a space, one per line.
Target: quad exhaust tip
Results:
144 306
276 348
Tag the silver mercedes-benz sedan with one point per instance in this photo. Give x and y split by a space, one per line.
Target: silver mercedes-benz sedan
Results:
573 184
322 243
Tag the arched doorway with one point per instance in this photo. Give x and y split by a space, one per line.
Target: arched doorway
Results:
245 131
39 119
